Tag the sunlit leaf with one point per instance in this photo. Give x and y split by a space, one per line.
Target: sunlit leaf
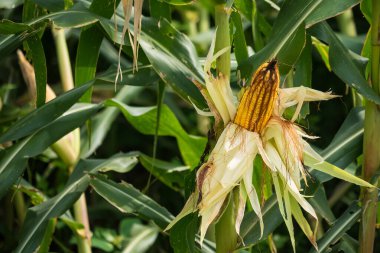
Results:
334 171
323 51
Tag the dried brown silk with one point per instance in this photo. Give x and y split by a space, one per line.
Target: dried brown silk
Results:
256 105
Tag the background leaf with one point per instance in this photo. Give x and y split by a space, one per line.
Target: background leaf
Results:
89 44
13 160
250 227
92 138
38 216
43 115
39 64
170 174
290 18
328 9
343 64
176 67
346 145
341 225
144 120
128 199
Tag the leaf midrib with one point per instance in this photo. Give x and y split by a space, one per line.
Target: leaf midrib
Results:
135 200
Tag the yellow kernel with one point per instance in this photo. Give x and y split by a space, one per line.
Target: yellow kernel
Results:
256 106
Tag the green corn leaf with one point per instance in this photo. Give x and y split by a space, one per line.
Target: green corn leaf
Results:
37 217
347 144
291 16
341 225
250 227
39 64
10 27
240 46
128 199
92 138
334 171
173 175
13 160
89 44
144 120
43 115
328 9
342 63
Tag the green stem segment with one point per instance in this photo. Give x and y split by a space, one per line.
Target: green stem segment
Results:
225 235
222 39
346 23
72 145
63 59
375 35
84 235
371 147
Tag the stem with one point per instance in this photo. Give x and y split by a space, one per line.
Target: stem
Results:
375 30
48 236
346 23
225 234
222 39
66 75
64 150
73 142
63 59
191 18
204 24
371 149
84 235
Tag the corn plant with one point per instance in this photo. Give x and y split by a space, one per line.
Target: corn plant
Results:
189 126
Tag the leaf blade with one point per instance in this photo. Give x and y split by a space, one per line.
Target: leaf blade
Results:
128 199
